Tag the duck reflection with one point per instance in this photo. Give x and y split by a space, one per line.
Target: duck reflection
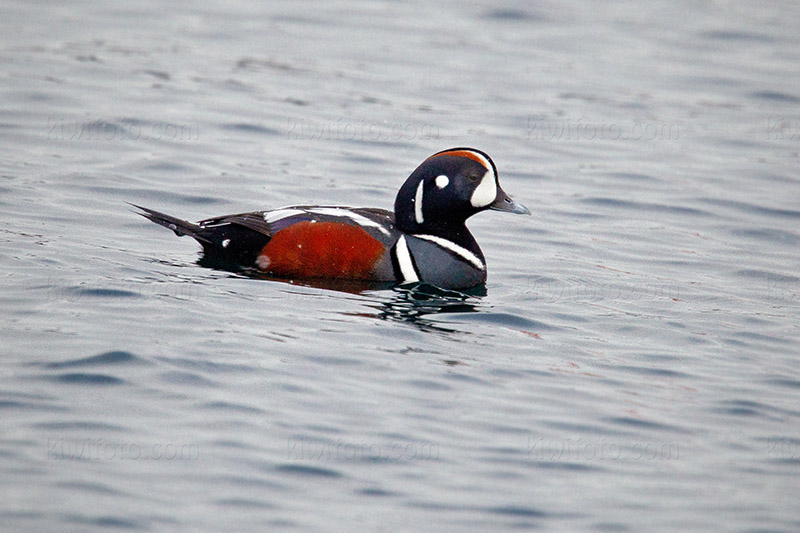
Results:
409 303
412 303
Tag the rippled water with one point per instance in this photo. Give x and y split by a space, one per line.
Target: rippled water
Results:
632 365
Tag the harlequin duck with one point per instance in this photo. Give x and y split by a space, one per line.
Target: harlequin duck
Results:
424 240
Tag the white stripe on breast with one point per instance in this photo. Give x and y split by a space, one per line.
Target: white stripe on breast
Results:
404 260
456 249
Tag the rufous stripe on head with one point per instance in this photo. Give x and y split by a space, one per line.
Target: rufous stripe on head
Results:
468 154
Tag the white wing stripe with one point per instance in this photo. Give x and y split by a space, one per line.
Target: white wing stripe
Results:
355 217
279 214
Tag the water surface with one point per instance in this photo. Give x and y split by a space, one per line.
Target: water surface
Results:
632 365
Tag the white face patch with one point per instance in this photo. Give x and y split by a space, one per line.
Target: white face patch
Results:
456 249
485 192
225 243
418 203
404 261
442 181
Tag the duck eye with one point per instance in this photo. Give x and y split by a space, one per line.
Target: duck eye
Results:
473 178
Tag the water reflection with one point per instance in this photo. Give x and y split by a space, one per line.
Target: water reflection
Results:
409 303
412 303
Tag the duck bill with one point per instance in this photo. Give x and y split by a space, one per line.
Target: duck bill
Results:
504 202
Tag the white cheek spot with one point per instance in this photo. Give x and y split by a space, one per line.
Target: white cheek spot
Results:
442 181
485 192
225 243
263 261
418 203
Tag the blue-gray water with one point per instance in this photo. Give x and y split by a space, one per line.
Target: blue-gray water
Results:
632 367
